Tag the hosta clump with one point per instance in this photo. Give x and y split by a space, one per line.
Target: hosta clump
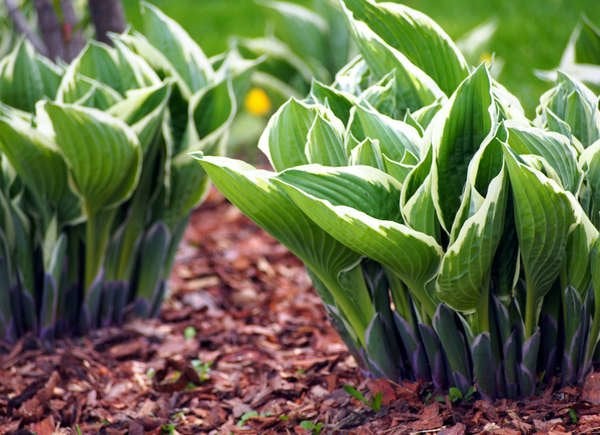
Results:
450 238
96 183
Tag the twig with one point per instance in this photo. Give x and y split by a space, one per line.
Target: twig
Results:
22 26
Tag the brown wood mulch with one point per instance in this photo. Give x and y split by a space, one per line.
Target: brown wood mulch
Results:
243 346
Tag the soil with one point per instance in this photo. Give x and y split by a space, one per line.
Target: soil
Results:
243 346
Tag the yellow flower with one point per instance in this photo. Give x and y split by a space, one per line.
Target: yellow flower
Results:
257 102
486 57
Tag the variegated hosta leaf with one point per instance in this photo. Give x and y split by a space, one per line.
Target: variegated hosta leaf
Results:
415 35
382 96
284 139
102 153
174 44
368 153
509 106
188 184
84 91
135 71
579 248
395 137
416 201
415 88
338 101
458 131
325 143
40 165
357 205
143 110
587 44
555 148
255 193
464 276
25 78
590 162
576 105
99 62
543 219
303 30
211 112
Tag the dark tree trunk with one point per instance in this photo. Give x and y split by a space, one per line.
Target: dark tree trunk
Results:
72 36
50 29
107 16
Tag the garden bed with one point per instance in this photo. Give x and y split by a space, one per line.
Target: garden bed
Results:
243 346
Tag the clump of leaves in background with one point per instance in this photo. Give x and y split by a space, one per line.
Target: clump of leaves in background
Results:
450 238
96 182
581 58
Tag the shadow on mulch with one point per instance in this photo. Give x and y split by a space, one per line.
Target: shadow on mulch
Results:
242 346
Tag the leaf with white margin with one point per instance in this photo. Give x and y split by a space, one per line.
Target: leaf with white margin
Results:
256 194
417 36
325 143
459 129
102 153
144 109
284 139
39 164
415 88
464 276
356 205
577 105
544 218
169 39
555 148
395 137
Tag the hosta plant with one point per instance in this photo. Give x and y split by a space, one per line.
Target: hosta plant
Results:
302 42
581 58
96 181
450 238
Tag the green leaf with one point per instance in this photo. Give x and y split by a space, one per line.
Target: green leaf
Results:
256 194
543 219
303 30
417 36
459 130
587 43
84 91
21 81
575 104
285 137
99 62
338 101
395 137
102 153
415 88
368 153
358 205
211 112
144 110
554 148
464 276
185 58
325 144
35 158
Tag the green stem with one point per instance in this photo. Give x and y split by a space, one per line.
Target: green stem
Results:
595 330
483 311
531 312
97 234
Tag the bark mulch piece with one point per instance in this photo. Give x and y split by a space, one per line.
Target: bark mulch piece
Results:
243 346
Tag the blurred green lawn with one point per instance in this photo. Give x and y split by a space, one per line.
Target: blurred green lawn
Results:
531 33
